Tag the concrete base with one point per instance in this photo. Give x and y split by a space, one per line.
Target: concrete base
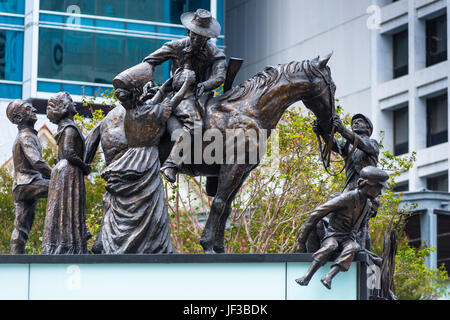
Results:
173 277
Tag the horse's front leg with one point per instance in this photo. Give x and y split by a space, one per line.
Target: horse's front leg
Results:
229 179
219 242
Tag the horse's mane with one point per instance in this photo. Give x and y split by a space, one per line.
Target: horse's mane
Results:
270 76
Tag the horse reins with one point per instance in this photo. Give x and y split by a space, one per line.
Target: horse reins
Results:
325 153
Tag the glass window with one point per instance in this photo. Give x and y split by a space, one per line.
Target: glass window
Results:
12 6
110 8
437 126
10 91
412 229
443 240
177 7
436 30
400 54
148 10
86 6
402 187
11 55
91 57
438 183
401 131
137 49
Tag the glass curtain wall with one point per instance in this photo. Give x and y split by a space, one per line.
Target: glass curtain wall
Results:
90 57
167 11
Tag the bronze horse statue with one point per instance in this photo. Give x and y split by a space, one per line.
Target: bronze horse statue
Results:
257 104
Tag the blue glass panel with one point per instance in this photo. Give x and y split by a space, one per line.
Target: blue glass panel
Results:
78 58
147 10
91 57
12 20
11 55
137 49
51 54
141 27
177 7
220 9
83 6
171 30
110 24
111 8
49 87
10 91
76 89
87 22
109 57
51 18
12 6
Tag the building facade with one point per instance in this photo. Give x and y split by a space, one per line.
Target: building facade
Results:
79 46
390 62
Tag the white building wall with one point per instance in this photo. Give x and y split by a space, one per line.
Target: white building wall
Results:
268 32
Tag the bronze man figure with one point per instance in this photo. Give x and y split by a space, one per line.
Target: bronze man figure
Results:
346 214
31 173
208 62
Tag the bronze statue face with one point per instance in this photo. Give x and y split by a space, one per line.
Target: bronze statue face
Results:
359 126
28 114
60 106
372 191
197 41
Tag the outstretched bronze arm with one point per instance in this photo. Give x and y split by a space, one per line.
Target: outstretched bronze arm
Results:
92 142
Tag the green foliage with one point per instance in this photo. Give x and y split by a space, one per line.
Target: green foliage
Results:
413 281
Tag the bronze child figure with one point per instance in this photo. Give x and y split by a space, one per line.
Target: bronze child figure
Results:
65 230
346 213
31 173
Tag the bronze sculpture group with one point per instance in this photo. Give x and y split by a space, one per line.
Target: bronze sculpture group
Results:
143 135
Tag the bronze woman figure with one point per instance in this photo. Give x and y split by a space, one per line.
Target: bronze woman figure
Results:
65 230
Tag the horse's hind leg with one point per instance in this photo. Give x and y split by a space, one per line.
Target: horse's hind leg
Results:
229 178
219 241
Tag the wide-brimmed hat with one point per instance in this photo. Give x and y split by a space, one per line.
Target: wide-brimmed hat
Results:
367 120
375 176
201 22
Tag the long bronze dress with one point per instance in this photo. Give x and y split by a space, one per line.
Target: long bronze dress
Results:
135 218
65 230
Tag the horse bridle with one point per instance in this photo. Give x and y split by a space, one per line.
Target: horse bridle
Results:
325 153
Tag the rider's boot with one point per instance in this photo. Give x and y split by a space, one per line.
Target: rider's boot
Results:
172 164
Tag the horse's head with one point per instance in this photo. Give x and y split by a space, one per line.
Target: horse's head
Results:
274 89
320 96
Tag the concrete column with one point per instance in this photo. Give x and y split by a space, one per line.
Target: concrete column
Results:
428 233
381 71
448 87
416 107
